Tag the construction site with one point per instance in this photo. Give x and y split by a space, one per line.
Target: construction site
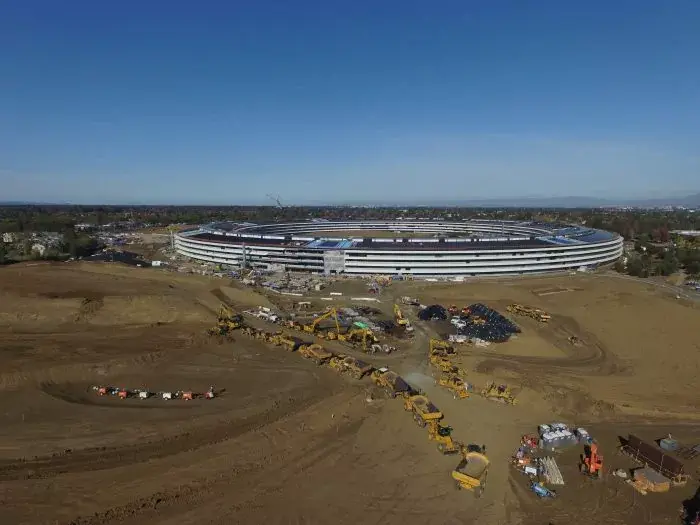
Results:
137 396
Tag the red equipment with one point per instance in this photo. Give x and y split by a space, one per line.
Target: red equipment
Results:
593 462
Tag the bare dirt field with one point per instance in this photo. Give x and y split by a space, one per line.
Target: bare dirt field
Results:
291 442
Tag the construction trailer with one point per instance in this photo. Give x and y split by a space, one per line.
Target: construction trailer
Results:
655 458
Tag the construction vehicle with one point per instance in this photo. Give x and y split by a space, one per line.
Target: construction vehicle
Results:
529 311
445 366
316 353
290 343
351 365
500 393
313 326
439 347
592 464
392 383
443 436
226 321
398 315
459 387
359 336
472 471
422 408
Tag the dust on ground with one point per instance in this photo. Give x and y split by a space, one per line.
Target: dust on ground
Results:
290 442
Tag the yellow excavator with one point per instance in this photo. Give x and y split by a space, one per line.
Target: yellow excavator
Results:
226 321
398 315
362 336
313 326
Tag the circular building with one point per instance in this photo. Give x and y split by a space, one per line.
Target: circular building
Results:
420 248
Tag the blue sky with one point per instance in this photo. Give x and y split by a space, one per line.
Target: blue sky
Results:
222 102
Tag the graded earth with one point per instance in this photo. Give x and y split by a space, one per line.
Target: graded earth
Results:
287 441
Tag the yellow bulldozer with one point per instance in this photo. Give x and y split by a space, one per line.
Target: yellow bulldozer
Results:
459 387
439 347
424 411
445 366
316 353
529 311
501 393
472 471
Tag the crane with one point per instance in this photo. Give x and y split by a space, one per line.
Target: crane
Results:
276 198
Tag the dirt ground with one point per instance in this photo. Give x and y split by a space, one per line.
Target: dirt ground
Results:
291 442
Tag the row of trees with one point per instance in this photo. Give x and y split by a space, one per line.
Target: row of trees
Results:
633 224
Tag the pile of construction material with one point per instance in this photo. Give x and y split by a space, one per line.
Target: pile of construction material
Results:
264 313
433 312
557 435
529 311
482 322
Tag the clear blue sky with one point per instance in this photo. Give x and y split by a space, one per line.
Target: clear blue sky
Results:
171 101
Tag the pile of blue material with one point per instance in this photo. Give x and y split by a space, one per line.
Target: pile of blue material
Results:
434 312
496 329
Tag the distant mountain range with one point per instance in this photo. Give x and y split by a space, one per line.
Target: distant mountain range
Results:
688 201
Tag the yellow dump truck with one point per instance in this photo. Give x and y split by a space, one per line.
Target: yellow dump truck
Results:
351 366
472 471
392 383
424 411
316 353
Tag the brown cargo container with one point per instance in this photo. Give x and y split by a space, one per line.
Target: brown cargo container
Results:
655 458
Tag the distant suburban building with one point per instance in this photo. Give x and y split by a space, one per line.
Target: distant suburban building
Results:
687 233
38 248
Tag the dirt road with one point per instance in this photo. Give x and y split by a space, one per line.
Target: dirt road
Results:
290 442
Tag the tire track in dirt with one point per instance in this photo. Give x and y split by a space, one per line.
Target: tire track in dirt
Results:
103 458
260 484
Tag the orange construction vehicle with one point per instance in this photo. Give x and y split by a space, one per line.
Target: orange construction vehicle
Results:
592 462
